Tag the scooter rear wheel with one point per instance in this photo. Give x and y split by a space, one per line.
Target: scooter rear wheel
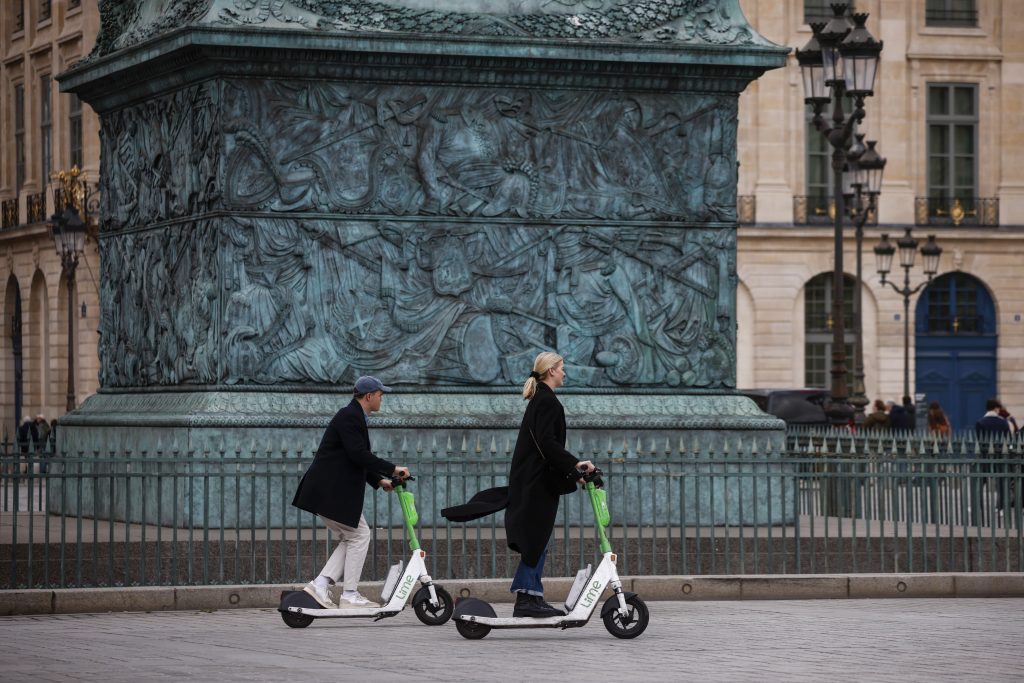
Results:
472 630
296 620
630 626
435 616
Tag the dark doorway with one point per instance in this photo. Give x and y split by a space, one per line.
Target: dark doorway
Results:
956 345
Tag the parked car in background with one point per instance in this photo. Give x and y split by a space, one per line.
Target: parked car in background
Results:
803 407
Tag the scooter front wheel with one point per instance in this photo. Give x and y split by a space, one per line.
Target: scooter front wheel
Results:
471 629
431 615
631 625
296 620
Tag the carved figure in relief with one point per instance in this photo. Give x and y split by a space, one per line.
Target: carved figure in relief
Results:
160 160
158 298
318 291
319 301
460 152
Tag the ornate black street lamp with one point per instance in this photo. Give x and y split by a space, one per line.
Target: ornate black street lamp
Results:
907 245
840 61
863 179
68 233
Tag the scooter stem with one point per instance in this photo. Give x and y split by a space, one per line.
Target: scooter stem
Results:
405 498
601 516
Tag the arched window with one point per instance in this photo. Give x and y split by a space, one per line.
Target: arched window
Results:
818 329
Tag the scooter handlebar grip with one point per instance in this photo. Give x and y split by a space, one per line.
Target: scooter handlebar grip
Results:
593 476
398 481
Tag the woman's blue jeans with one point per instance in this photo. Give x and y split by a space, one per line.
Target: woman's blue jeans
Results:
528 579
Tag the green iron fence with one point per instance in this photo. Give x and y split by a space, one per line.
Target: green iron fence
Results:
824 504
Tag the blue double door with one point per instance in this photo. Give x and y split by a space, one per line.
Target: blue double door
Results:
956 347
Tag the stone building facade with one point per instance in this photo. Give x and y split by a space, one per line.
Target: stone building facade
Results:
966 337
43 132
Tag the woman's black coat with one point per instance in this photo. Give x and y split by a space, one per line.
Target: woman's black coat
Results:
538 477
334 484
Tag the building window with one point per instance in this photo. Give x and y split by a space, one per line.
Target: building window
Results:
45 10
952 143
74 4
818 329
75 131
19 136
821 10
819 169
45 129
962 13
818 165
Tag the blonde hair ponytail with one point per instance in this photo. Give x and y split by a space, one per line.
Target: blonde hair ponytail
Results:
544 361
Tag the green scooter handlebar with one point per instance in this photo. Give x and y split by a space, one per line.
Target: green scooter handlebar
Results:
598 496
408 503
599 501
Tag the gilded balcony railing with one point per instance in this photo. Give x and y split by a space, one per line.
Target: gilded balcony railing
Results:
957 211
9 211
37 208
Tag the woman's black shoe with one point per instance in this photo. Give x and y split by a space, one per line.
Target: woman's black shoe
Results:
555 612
533 606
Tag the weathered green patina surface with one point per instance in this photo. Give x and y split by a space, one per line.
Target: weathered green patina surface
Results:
298 192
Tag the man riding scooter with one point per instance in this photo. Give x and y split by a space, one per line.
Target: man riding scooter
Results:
333 488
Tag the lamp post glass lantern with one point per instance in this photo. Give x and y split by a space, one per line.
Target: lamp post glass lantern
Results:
907 245
840 61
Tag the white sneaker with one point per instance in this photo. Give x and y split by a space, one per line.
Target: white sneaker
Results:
321 594
355 600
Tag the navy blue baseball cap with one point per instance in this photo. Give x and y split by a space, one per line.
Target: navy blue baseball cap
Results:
368 383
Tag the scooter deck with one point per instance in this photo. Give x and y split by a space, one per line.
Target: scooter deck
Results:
344 612
524 622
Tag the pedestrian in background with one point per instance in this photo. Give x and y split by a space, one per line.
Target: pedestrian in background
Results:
938 423
43 444
901 417
990 429
28 439
879 419
43 429
333 488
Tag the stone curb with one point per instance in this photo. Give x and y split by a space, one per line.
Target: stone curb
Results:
651 588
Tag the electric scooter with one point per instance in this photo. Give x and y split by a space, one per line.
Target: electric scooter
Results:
432 603
624 614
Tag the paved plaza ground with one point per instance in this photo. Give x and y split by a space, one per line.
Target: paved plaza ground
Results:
813 640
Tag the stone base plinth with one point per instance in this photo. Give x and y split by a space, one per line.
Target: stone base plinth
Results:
230 458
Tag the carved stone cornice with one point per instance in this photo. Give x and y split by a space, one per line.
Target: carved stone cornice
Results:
125 23
192 54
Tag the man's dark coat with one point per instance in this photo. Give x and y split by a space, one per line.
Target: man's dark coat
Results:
991 426
542 470
334 484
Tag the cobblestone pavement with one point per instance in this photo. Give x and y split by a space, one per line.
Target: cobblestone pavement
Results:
814 640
